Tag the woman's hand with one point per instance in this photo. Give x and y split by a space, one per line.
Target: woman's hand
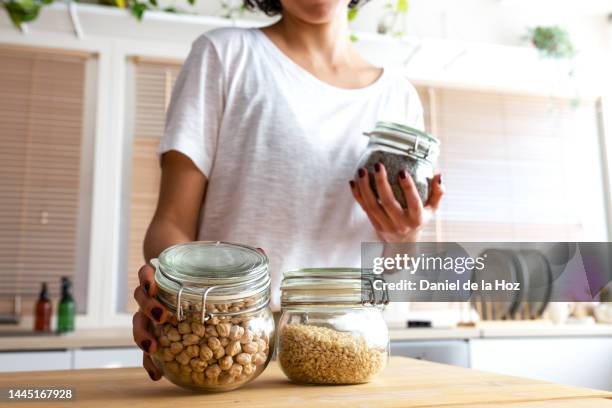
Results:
392 222
150 310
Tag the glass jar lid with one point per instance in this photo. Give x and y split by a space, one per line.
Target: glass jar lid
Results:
210 271
331 287
413 141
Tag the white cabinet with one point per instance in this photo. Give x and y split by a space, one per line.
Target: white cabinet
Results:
107 358
453 352
35 360
578 361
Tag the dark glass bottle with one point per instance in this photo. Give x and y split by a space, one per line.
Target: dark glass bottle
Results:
42 316
66 308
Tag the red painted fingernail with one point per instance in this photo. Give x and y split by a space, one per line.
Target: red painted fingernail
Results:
146 344
377 167
440 179
147 286
403 175
361 172
156 312
352 184
151 374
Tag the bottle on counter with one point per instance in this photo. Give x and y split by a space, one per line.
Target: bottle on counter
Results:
42 314
66 308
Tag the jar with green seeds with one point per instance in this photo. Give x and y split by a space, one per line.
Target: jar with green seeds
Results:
399 147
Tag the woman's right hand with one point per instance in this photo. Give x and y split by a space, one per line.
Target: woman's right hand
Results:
150 310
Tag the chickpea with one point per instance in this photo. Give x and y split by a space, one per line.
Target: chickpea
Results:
176 347
185 369
198 377
174 335
189 339
213 371
250 348
206 353
263 345
224 329
164 341
167 355
198 329
184 328
243 358
236 332
226 362
197 365
258 358
218 352
183 358
224 341
193 350
247 337
249 369
211 331
233 348
214 343
235 370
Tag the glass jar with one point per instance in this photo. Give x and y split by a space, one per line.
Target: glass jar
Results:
398 148
331 330
221 331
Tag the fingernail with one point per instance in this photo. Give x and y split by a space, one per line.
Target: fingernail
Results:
352 184
361 172
261 250
403 175
151 374
377 167
147 286
440 179
145 345
156 312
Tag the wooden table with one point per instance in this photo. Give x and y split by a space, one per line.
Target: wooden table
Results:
405 383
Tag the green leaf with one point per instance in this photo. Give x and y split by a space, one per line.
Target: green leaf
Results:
153 2
192 2
402 6
354 38
352 14
138 10
170 9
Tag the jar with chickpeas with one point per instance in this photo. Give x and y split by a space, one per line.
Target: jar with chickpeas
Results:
220 332
331 330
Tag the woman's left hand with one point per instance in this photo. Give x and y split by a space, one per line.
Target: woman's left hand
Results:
392 222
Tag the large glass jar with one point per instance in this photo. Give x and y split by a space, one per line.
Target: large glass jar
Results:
398 148
331 330
221 331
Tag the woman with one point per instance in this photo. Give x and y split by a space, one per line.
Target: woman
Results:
262 136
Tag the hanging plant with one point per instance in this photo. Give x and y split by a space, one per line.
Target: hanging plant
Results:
22 11
552 42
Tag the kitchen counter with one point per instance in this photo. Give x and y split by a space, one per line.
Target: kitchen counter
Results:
405 383
122 337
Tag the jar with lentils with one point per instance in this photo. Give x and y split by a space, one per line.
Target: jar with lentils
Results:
221 330
331 330
401 148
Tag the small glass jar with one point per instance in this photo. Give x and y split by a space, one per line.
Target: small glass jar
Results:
331 330
221 331
398 148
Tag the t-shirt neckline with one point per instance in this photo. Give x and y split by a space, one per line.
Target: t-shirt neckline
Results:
309 76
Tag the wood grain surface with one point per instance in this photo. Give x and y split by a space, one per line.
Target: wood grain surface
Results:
404 383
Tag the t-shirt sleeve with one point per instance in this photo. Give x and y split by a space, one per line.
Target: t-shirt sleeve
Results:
415 109
196 107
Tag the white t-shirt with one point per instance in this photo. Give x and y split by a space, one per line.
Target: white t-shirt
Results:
278 147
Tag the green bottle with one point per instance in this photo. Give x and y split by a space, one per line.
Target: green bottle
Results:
66 309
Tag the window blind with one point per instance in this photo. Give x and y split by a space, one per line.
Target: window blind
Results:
41 131
518 167
153 87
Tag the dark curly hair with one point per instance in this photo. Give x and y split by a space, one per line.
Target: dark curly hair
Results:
274 7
